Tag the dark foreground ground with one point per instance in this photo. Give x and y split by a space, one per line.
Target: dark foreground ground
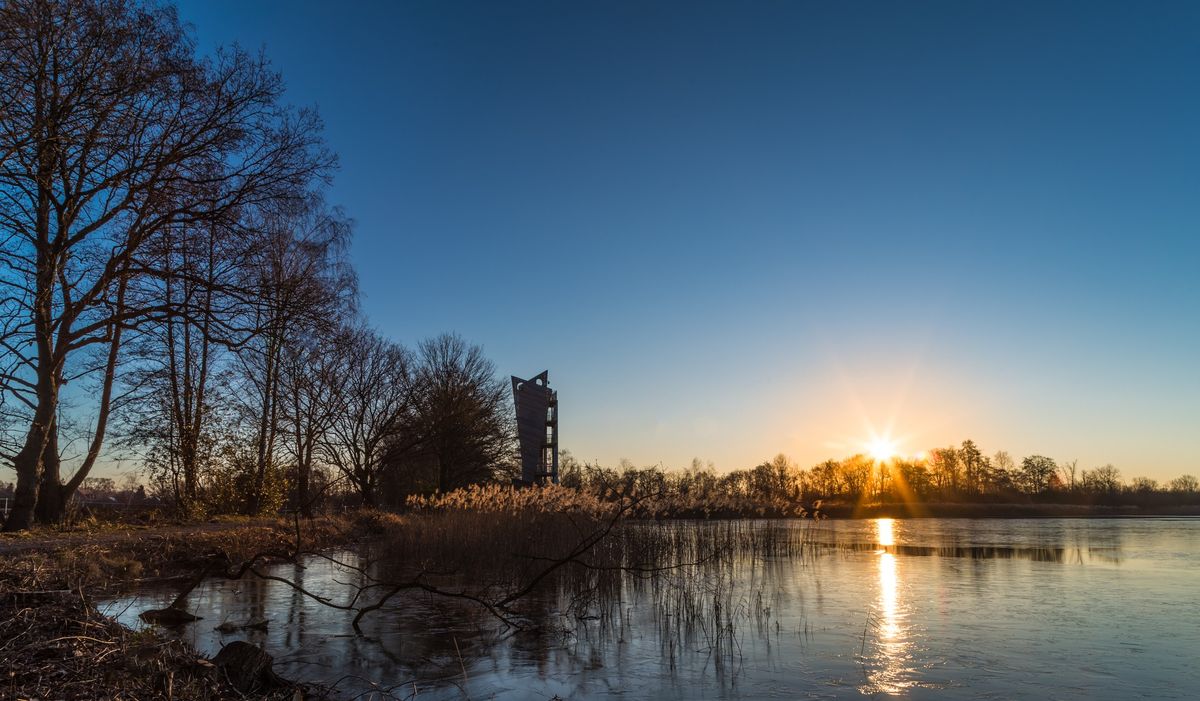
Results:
55 645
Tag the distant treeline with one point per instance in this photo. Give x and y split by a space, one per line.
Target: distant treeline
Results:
952 474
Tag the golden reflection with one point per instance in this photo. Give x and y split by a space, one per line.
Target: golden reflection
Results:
889 628
887 663
885 536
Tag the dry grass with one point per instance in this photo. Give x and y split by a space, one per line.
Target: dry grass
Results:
668 504
119 557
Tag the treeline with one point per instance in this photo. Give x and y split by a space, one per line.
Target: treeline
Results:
175 288
953 474
349 416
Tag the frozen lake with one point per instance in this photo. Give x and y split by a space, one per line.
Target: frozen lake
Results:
920 609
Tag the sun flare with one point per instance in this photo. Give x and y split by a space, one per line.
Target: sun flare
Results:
882 449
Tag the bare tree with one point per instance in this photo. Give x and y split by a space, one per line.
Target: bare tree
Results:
1186 484
945 469
302 287
112 132
309 378
1003 470
1102 480
975 467
1068 469
374 393
462 414
174 377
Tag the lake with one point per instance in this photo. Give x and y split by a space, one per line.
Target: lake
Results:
916 609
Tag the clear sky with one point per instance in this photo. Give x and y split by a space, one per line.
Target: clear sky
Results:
736 229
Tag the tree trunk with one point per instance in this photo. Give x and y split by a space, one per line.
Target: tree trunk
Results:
52 497
303 501
266 426
28 463
303 470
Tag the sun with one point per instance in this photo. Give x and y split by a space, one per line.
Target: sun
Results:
881 449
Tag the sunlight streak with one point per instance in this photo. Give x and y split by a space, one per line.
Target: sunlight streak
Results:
884 533
891 673
889 629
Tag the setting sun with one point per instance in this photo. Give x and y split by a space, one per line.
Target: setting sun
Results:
882 449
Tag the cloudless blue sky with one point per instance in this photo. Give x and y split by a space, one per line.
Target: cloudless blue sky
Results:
736 229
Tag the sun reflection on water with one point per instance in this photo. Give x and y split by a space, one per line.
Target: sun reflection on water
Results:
884 535
888 669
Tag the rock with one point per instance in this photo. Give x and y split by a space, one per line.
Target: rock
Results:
169 616
252 624
247 667
256 624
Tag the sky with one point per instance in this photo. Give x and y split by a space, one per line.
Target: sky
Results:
731 230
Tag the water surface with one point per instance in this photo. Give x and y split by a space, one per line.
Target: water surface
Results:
915 609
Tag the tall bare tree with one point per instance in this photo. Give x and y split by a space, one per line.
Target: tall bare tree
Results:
112 131
374 400
174 371
303 287
1069 470
310 374
462 413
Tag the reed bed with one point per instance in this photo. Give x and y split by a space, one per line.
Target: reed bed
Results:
499 535
701 583
645 504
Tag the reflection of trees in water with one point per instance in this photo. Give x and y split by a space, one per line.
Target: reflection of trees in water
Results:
1077 548
296 631
973 552
699 586
699 596
701 617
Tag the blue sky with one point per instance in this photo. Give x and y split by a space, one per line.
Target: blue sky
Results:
736 229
